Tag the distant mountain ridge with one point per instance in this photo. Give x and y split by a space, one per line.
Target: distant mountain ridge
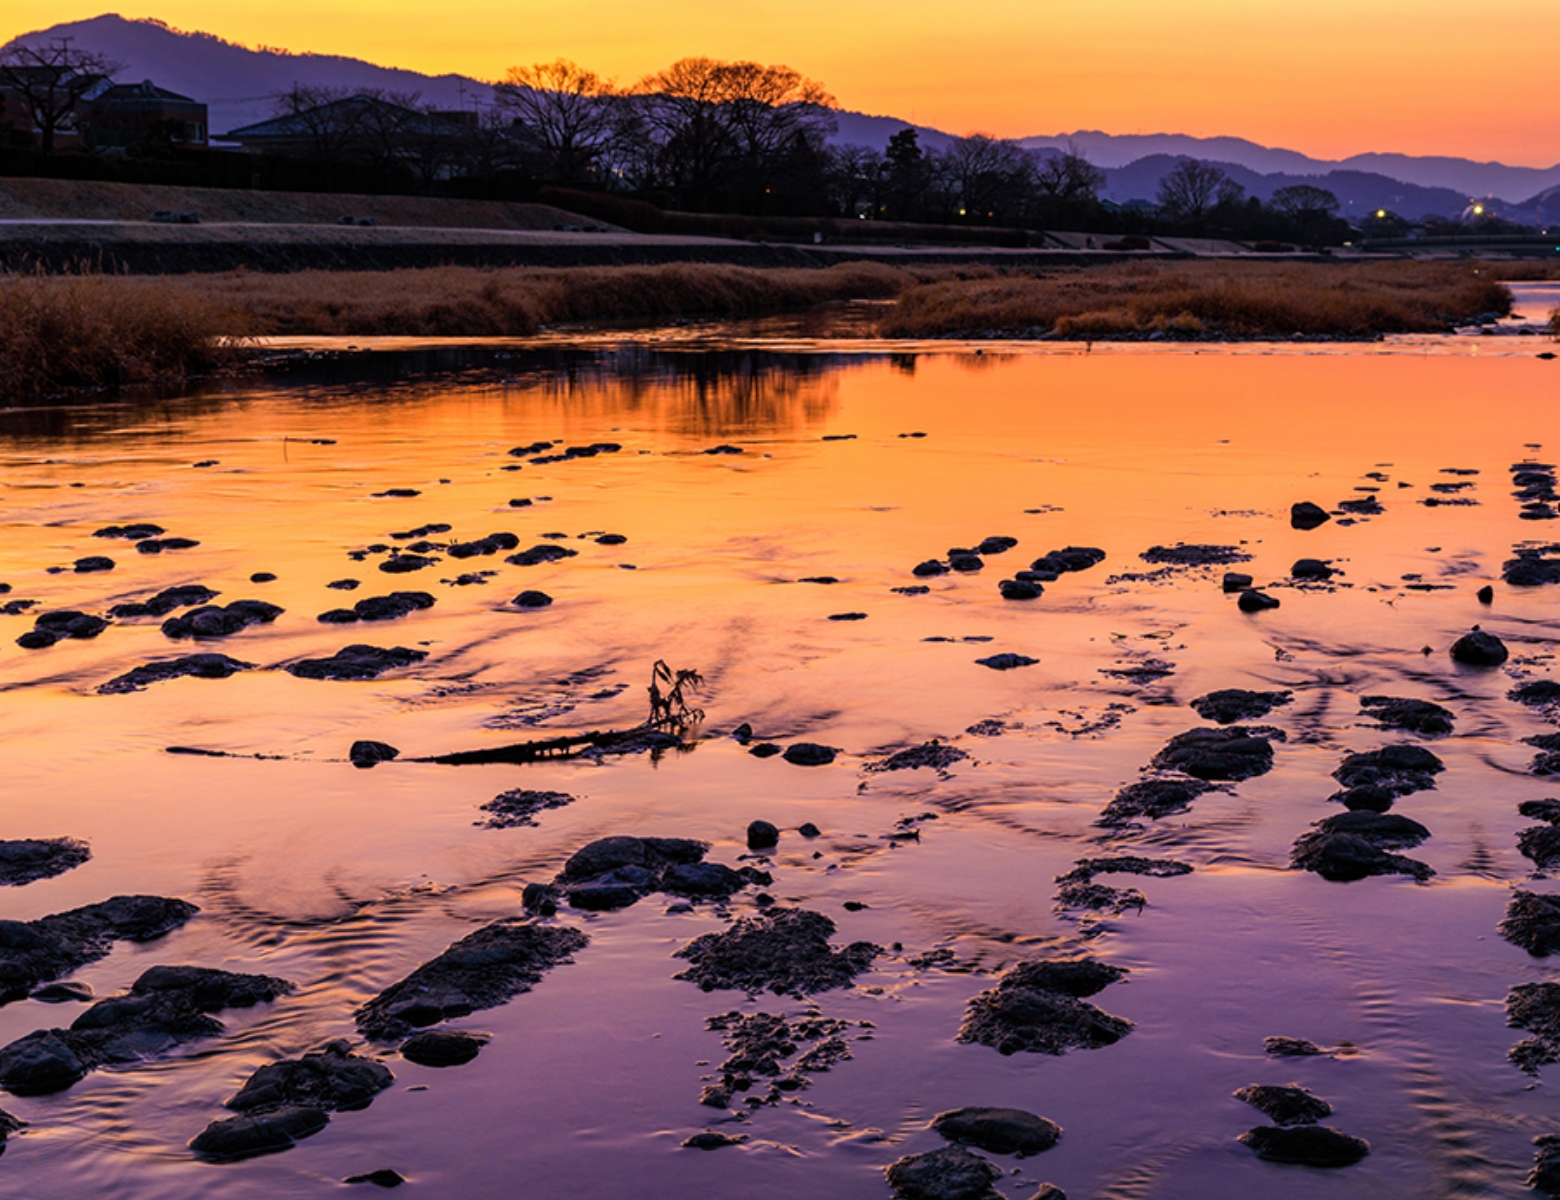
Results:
237 84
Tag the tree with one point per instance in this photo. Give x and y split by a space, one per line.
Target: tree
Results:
855 178
1189 192
1069 180
51 80
776 119
570 111
322 117
908 173
680 109
990 177
1311 209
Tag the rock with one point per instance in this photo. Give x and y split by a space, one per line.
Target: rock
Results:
1237 704
513 809
930 567
388 608
194 666
332 1079
1364 506
264 1133
211 620
1365 798
51 627
1236 581
1530 569
761 835
384 1178
1486 594
1039 1007
364 754
1415 716
1073 558
344 585
1291 1105
848 616
543 553
1541 843
165 601
952 1173
1380 829
713 1141
70 992
1152 798
996 545
356 662
1049 1191
1541 810
764 750
1479 649
34 952
1400 769
482 970
932 754
998 1130
1532 921
1545 1175
1536 1008
1234 752
808 830
809 754
1306 1145
1253 601
165 1007
405 564
1306 515
442 1048
1018 589
532 599
1182 555
1345 857
1290 1047
783 950
1006 661
135 533
1311 568
158 545
759 1045
93 564
966 563
28 860
263 577
1078 889
8 1126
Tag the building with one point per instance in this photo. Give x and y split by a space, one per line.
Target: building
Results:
122 114
351 128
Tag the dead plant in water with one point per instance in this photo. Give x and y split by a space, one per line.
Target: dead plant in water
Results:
669 709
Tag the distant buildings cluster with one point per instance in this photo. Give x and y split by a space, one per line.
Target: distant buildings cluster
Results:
108 115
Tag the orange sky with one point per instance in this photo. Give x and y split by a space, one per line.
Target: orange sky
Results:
1327 77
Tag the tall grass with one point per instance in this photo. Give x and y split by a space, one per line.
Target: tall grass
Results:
86 331
1221 299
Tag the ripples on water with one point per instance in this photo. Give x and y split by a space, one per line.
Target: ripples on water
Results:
344 880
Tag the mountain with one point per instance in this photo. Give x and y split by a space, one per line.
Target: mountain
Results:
235 82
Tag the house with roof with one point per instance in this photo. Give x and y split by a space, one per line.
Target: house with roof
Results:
121 114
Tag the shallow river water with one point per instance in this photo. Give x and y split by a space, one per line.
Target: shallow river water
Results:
855 466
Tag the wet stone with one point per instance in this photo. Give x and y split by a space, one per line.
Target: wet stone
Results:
1389 830
952 1173
1311 568
709 1140
482 970
1183 555
1401 769
1237 704
69 992
34 952
933 755
384 1178
1291 1047
212 621
27 860
764 750
164 602
761 835
538 554
532 599
1532 922
966 563
998 1130
1306 515
1039 1007
263 577
193 666
443 1048
1531 569
996 545
1306 1145
365 754
1152 798
1078 890
134 533
930 567
848 616
782 950
51 627
264 1133
404 564
1365 798
356 662
1362 506
1541 810
809 754
1019 589
1006 661
1233 752
1236 581
1545 1175
1414 716
1486 594
1346 857
1542 694
516 808
1288 1105
158 545
1479 649
1534 1007
388 608
769 1046
1252 601
344 585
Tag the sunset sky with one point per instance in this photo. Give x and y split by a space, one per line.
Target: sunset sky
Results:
1327 77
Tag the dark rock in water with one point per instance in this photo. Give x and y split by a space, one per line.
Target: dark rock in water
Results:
1049 1191
1486 594
1537 693
195 666
134 533
1345 857
848 616
761 835
1251 601
952 1173
783 950
1236 581
211 620
1291 1105
709 1140
482 970
809 754
966 562
8 1126
27 860
388 608
996 545
443 1048
932 754
519 807
759 1043
1530 569
344 585
356 662
384 1178
263 1133
1291 1047
399 493
532 599
1545 1175
1541 843
1541 810
1479 649
542 553
1397 769
1006 662
70 992
1306 1145
92 564
1365 798
930 567
1073 558
338 616
404 564
1182 555
1237 704
1078 889
1311 568
51 627
808 830
1306 515
1234 752
1532 921
1364 506
1039 1007
1153 798
33 952
1415 716
165 1007
158 545
764 750
1381 829
1018 589
998 1130
820 579
1536 1008
262 577
165 601
365 754
1547 763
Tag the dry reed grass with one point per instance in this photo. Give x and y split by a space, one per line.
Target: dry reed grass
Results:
1219 299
